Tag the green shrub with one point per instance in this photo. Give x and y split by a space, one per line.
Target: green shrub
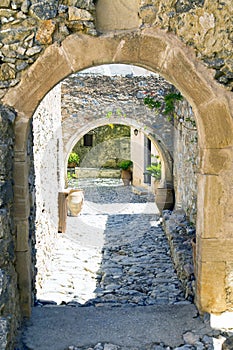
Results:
125 164
73 158
154 170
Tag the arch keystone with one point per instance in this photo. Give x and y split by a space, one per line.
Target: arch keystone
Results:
84 51
153 49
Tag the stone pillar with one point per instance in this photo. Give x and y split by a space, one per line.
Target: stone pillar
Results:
214 231
23 250
22 212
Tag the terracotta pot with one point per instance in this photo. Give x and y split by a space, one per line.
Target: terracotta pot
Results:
75 202
126 176
72 165
164 198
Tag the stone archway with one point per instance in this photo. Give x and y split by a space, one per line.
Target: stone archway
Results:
148 132
165 54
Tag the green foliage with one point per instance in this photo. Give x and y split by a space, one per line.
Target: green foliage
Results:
73 158
168 105
167 108
189 120
154 170
169 100
125 164
71 176
151 103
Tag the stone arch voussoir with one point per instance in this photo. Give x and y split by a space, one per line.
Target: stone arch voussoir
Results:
163 53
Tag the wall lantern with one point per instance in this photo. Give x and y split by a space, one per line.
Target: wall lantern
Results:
135 132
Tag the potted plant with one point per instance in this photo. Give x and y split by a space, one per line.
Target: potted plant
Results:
73 160
126 171
155 171
164 195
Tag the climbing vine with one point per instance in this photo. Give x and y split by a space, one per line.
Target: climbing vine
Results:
166 107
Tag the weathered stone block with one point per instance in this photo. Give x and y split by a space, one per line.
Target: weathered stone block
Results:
33 50
153 48
21 173
45 32
215 250
44 9
6 13
215 161
22 236
76 14
148 13
84 51
117 15
127 53
7 72
215 124
23 265
184 75
21 203
211 293
21 135
210 206
185 5
5 3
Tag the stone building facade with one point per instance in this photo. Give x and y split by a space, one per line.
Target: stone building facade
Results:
92 100
189 44
89 99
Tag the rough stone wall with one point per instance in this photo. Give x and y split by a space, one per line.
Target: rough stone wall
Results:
186 160
9 298
206 25
87 98
180 235
28 27
48 169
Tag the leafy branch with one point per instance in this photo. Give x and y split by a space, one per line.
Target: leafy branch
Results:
167 107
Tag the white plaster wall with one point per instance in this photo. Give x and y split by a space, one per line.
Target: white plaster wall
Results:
137 156
48 162
154 154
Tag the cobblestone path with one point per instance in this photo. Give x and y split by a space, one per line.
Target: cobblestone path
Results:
115 252
113 277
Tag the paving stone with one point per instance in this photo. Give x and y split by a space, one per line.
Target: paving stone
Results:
132 265
125 263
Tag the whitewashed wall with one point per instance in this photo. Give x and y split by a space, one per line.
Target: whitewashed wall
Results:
49 172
